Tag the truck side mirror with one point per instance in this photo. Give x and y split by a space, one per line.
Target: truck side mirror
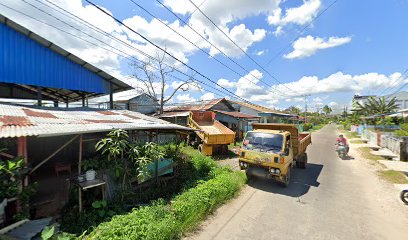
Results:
286 153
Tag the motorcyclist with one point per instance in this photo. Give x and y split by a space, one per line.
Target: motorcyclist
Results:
342 139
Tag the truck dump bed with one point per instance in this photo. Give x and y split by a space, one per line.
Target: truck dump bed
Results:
210 130
300 141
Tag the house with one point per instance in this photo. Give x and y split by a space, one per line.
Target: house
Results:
401 99
267 115
54 141
225 113
142 103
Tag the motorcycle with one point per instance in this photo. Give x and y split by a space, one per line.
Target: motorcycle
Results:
404 196
341 150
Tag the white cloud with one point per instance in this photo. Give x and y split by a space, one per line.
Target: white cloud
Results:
226 83
337 82
298 15
309 45
260 53
185 98
333 104
207 96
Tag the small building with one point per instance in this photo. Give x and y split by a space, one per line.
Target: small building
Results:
267 115
142 103
54 141
401 99
31 67
225 113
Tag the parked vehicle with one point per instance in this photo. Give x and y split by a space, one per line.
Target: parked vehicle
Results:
341 150
272 150
211 135
404 196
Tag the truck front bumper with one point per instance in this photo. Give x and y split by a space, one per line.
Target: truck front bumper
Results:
260 170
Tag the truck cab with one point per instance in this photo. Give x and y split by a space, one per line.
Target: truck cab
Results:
271 150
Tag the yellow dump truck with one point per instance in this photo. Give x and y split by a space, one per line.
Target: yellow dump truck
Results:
211 135
272 150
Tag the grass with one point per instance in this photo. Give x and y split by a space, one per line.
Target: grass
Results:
365 153
393 176
351 135
356 141
184 212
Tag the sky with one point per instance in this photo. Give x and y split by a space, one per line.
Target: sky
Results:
270 52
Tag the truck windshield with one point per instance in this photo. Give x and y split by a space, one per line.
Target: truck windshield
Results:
263 141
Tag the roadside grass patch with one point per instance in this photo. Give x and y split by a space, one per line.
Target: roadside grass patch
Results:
365 153
393 176
211 186
351 135
356 141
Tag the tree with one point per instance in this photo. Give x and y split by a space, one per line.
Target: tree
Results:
293 110
156 76
377 106
327 110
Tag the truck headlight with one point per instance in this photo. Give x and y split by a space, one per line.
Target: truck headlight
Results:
277 171
272 170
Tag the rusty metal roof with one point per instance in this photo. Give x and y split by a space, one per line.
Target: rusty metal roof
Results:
236 114
194 106
19 121
255 107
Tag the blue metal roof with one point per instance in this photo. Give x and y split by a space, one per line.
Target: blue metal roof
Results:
39 62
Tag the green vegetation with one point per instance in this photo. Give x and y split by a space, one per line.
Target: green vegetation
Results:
169 220
366 153
393 176
403 132
351 135
356 141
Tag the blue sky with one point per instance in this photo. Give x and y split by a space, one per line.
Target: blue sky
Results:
353 47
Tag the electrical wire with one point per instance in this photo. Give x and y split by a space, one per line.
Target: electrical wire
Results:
135 59
242 50
160 48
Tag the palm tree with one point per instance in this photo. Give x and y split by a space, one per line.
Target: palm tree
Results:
327 110
377 106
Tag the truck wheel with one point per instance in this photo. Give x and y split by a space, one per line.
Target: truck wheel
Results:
248 175
304 161
286 181
200 148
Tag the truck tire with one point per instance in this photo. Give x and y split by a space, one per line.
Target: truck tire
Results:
297 164
286 180
303 163
248 175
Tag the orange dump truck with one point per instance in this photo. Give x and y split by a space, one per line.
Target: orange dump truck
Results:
272 150
211 135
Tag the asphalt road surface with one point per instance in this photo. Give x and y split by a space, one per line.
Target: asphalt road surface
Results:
331 199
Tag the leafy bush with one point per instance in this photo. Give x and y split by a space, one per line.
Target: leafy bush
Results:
307 126
170 221
403 132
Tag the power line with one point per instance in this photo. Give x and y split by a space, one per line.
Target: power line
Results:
127 55
217 48
300 33
242 50
195 45
399 89
395 81
158 47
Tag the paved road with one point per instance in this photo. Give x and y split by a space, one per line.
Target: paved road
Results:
331 199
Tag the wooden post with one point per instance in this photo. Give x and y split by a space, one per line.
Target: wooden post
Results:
111 96
156 164
22 152
39 96
80 154
404 149
79 172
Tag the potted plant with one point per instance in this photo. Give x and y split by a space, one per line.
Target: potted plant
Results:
89 166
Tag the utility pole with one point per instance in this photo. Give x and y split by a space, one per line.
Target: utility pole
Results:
305 96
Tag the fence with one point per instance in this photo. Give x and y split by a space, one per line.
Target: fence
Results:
383 139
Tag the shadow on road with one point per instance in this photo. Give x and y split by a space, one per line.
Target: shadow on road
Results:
302 180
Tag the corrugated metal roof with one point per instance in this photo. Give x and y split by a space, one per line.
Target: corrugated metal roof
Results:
29 59
255 107
194 106
236 114
15 122
174 114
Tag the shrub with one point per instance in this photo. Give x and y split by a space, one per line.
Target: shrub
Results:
307 126
170 221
